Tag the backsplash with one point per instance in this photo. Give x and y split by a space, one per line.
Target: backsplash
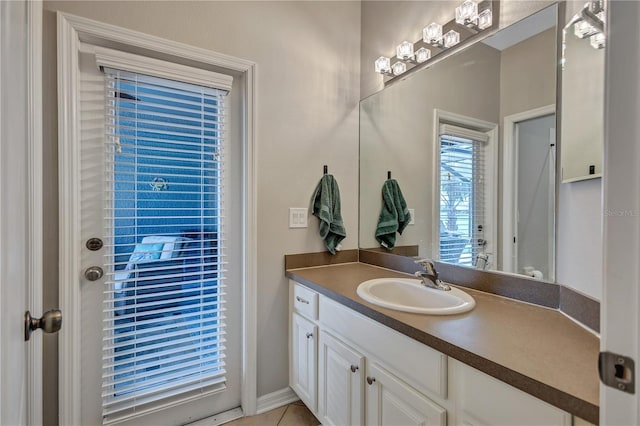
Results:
582 309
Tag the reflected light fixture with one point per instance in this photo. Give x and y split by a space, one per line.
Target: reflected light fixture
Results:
467 13
451 38
485 19
404 51
432 34
422 55
597 41
383 65
398 68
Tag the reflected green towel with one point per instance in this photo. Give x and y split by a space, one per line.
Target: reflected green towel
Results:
394 215
326 207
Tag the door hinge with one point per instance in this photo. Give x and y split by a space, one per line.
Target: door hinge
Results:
617 371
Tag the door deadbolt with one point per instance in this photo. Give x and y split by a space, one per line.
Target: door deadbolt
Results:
93 273
50 322
94 244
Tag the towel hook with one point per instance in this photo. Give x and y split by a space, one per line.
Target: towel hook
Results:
326 169
389 174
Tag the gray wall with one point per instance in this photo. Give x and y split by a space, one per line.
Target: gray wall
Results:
308 56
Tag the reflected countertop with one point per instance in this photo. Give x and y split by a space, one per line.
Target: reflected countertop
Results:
536 349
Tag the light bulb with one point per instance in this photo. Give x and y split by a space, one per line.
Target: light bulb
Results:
485 19
451 38
383 65
404 51
422 55
597 41
467 12
432 33
583 29
398 68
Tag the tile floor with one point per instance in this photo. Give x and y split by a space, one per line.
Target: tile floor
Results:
294 414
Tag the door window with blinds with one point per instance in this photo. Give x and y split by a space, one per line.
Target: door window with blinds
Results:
163 319
462 194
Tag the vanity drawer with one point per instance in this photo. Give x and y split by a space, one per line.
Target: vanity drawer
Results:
305 301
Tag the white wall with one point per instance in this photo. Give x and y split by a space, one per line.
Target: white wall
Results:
308 56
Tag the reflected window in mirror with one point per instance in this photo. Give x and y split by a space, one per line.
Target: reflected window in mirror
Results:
462 193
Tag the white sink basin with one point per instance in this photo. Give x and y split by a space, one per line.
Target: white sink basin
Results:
410 295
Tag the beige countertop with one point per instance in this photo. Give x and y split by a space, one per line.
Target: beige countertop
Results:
535 349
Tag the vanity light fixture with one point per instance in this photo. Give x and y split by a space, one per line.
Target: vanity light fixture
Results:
398 68
485 19
432 34
422 54
404 51
466 14
383 65
451 38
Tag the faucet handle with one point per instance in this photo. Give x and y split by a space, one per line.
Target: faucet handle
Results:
428 265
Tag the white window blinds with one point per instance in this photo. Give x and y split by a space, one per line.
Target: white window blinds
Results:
163 322
462 194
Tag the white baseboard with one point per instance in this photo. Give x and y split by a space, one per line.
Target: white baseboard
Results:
220 419
276 399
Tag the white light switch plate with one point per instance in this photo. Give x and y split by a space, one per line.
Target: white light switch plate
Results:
298 217
412 212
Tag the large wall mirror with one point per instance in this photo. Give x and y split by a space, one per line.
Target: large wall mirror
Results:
471 141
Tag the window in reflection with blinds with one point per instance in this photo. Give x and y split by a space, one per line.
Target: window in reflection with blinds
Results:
462 192
163 329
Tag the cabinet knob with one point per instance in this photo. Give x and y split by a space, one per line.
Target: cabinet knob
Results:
309 335
354 368
370 380
301 300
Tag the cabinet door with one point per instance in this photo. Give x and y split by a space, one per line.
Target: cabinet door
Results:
340 369
303 360
392 402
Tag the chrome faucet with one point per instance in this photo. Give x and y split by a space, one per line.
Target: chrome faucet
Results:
429 276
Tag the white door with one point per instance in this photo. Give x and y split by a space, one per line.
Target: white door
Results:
20 371
391 402
621 185
160 332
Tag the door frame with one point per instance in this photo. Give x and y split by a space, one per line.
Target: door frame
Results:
509 186
620 318
72 30
29 183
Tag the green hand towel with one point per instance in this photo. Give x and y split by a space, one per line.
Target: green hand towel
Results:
326 207
394 215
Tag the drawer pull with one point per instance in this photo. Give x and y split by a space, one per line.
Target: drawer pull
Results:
354 368
370 380
309 335
301 300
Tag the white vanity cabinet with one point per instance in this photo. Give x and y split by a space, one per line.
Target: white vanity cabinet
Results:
351 370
